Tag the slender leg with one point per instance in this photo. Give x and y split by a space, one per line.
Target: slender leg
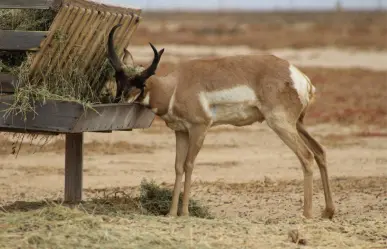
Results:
181 154
320 157
288 133
196 139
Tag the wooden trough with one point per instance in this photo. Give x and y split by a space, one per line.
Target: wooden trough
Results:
86 24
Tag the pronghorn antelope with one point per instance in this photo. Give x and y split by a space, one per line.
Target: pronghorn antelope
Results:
236 90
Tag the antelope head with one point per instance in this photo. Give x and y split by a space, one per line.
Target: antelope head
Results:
130 87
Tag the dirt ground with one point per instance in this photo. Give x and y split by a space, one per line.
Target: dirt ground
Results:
249 179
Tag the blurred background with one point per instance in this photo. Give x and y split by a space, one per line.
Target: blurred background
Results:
341 45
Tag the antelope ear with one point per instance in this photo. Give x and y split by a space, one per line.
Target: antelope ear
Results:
127 58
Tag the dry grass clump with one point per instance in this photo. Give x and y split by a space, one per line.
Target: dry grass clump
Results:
37 228
152 200
156 201
70 85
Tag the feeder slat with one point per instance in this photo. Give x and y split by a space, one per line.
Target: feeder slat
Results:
14 40
27 4
7 83
71 117
114 117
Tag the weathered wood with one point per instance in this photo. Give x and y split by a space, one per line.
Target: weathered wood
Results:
70 117
73 167
53 116
29 131
15 40
7 83
114 117
27 4
105 5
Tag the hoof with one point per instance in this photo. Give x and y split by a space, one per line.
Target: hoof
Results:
171 215
308 215
184 215
328 213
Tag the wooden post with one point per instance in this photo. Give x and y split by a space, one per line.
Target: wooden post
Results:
73 167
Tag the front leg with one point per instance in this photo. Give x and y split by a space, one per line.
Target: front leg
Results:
181 154
196 138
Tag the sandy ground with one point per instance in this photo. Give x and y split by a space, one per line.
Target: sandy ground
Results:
229 155
250 180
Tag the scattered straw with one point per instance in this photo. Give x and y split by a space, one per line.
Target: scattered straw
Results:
156 201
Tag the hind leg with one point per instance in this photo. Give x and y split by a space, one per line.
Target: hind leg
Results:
286 129
320 157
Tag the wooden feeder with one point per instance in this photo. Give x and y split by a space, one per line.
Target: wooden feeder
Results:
86 25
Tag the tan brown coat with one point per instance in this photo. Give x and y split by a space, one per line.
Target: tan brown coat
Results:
236 90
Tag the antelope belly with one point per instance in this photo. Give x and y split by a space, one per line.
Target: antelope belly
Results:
234 114
235 106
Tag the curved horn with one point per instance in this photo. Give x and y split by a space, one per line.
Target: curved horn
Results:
113 57
156 59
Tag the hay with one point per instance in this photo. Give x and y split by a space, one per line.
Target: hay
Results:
152 200
156 201
70 84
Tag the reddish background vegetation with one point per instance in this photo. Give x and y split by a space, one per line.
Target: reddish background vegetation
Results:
266 30
348 96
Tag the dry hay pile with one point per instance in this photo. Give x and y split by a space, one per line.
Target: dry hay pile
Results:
49 224
72 84
152 200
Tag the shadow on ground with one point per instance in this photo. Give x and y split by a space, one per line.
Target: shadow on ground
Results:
153 200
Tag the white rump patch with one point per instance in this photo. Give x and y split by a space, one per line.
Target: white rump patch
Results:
301 83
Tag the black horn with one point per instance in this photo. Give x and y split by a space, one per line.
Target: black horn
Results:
151 70
113 57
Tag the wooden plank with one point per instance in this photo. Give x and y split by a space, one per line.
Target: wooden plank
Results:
7 82
16 40
29 131
27 4
70 117
106 5
53 116
73 168
114 117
